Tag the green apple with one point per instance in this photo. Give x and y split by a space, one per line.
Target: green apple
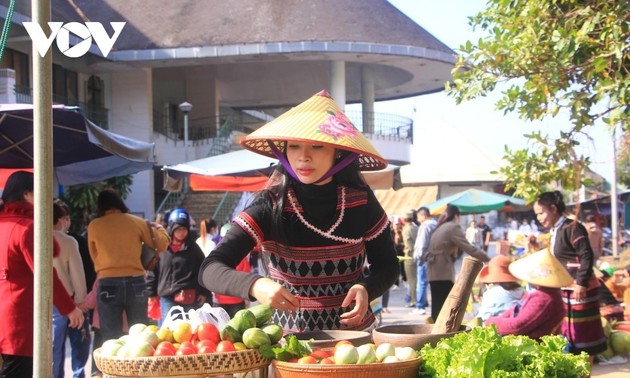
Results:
391 359
385 350
367 354
137 328
150 337
140 348
346 354
110 348
405 353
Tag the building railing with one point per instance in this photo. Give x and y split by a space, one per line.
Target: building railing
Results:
97 114
384 124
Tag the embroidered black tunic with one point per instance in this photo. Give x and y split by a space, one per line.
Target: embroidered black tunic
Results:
324 255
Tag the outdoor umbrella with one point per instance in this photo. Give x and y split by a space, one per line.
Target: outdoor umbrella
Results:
245 171
474 201
82 151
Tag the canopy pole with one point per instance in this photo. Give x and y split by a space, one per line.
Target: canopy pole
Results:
43 172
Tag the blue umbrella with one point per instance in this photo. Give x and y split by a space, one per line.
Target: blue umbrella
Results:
473 201
82 151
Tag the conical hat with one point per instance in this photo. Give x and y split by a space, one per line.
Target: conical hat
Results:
541 268
318 119
497 271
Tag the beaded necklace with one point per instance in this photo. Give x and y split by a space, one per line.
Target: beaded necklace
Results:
327 234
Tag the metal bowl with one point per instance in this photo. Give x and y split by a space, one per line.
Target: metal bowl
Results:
328 339
412 335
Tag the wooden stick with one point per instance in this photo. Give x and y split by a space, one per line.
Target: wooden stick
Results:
454 308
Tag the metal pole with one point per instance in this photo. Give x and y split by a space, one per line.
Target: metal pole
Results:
186 137
185 107
43 169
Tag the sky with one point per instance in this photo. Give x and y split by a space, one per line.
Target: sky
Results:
488 128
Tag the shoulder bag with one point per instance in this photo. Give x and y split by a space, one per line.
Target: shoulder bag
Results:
149 256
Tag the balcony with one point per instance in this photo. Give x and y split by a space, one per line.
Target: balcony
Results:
95 113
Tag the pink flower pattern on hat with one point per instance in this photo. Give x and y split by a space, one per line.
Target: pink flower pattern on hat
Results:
337 126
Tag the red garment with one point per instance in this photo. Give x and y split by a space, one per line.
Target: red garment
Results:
243 266
540 312
16 280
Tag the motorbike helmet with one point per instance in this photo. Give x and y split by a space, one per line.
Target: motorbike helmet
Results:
178 218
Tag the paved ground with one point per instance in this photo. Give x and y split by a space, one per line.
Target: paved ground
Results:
399 314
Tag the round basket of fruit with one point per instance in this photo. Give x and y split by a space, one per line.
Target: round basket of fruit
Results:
346 360
187 348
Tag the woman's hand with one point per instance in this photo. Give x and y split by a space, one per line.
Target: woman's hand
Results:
359 295
579 292
75 318
269 292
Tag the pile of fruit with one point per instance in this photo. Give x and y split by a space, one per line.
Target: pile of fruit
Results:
345 353
248 329
618 334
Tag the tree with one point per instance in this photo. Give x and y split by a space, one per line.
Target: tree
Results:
569 55
623 161
82 198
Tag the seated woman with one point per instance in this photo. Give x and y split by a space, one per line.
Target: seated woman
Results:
503 289
541 311
609 306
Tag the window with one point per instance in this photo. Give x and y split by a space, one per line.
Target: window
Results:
65 86
18 62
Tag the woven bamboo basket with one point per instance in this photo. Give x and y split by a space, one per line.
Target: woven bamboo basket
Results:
402 369
177 366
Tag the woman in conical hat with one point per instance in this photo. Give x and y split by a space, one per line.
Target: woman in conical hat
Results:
570 244
540 312
317 224
503 289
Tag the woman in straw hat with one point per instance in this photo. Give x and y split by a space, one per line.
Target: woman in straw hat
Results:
569 243
540 312
504 290
316 223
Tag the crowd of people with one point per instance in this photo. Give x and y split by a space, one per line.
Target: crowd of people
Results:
325 246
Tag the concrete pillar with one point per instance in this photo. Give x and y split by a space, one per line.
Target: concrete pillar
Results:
133 105
367 99
338 82
7 86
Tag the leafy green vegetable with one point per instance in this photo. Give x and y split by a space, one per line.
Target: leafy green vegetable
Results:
483 353
294 348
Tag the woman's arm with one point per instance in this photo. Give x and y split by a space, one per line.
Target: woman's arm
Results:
218 272
381 251
459 239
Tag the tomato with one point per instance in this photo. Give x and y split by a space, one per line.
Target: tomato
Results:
206 349
164 351
294 359
166 345
208 331
208 345
185 350
320 354
307 360
188 344
225 346
327 361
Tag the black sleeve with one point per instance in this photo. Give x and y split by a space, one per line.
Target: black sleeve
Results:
381 251
218 272
199 258
151 279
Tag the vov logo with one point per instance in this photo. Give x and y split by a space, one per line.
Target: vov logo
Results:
61 32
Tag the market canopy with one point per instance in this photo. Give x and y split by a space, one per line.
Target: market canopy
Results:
473 201
82 151
245 171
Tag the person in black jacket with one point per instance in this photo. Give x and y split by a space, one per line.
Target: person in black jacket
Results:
173 282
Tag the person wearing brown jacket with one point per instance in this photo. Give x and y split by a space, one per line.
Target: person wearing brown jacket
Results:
447 239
